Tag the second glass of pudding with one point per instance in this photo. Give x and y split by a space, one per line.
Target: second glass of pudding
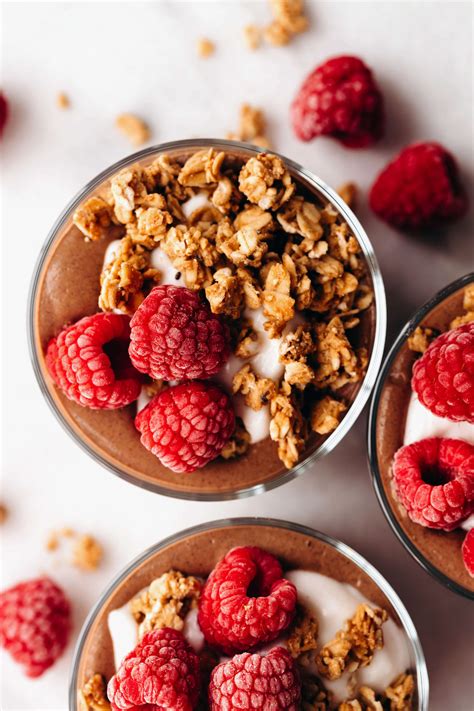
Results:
398 418
288 244
334 584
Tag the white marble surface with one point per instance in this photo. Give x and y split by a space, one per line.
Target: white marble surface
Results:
141 57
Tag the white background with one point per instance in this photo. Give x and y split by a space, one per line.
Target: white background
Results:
111 58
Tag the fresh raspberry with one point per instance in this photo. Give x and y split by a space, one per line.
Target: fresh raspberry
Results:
186 426
443 378
245 602
420 188
340 99
35 622
176 337
434 480
252 681
162 672
3 112
468 552
90 363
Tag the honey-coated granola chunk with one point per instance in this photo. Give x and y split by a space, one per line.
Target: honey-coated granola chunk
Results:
257 391
134 128
287 426
202 168
400 693
266 182
304 633
93 696
419 340
238 442
93 218
326 415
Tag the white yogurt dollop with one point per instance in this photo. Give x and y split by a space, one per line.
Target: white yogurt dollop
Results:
421 423
330 601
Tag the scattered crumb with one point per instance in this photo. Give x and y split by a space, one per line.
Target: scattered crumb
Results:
62 101
252 127
3 513
87 553
52 542
67 532
205 48
348 192
252 36
134 128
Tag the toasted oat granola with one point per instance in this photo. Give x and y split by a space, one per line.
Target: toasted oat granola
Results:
165 602
400 693
355 645
314 697
238 443
62 101
134 128
205 47
87 553
252 36
254 241
420 339
289 20
252 127
468 306
304 633
348 192
93 696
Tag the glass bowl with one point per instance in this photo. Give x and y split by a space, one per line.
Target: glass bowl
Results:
197 549
436 551
51 288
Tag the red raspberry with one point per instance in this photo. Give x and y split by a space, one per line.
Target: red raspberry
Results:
186 426
468 552
3 112
35 622
340 99
443 378
434 480
90 363
245 602
252 681
176 337
162 672
420 188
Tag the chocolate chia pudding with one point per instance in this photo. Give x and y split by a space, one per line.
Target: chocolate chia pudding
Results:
331 582
396 419
290 408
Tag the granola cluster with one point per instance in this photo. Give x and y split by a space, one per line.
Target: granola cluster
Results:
252 127
254 242
93 696
87 552
468 306
165 602
419 340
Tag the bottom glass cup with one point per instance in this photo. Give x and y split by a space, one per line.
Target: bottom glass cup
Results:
438 552
196 550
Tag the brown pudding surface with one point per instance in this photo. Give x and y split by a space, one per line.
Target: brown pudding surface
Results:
197 554
442 550
67 290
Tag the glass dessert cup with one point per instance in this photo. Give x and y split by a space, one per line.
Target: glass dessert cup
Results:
438 552
196 550
68 265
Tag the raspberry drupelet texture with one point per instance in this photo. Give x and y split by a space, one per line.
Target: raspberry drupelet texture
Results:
253 681
419 189
162 672
468 552
89 362
340 99
245 602
434 481
35 622
176 337
443 378
186 426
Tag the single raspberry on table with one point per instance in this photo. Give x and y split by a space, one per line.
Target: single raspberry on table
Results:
162 672
245 602
340 99
434 481
255 681
420 188
443 378
176 337
3 112
468 552
35 622
187 425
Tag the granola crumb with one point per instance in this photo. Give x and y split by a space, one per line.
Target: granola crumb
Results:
257 391
468 306
3 513
67 532
93 696
165 602
348 192
289 20
287 426
205 47
238 443
134 128
326 415
87 553
420 339
93 218
304 634
400 693
52 542
252 36
62 101
252 127
355 645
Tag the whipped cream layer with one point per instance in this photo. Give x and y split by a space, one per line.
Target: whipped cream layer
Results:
330 601
421 423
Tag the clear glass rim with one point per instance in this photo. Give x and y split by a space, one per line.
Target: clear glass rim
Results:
405 619
377 482
377 346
